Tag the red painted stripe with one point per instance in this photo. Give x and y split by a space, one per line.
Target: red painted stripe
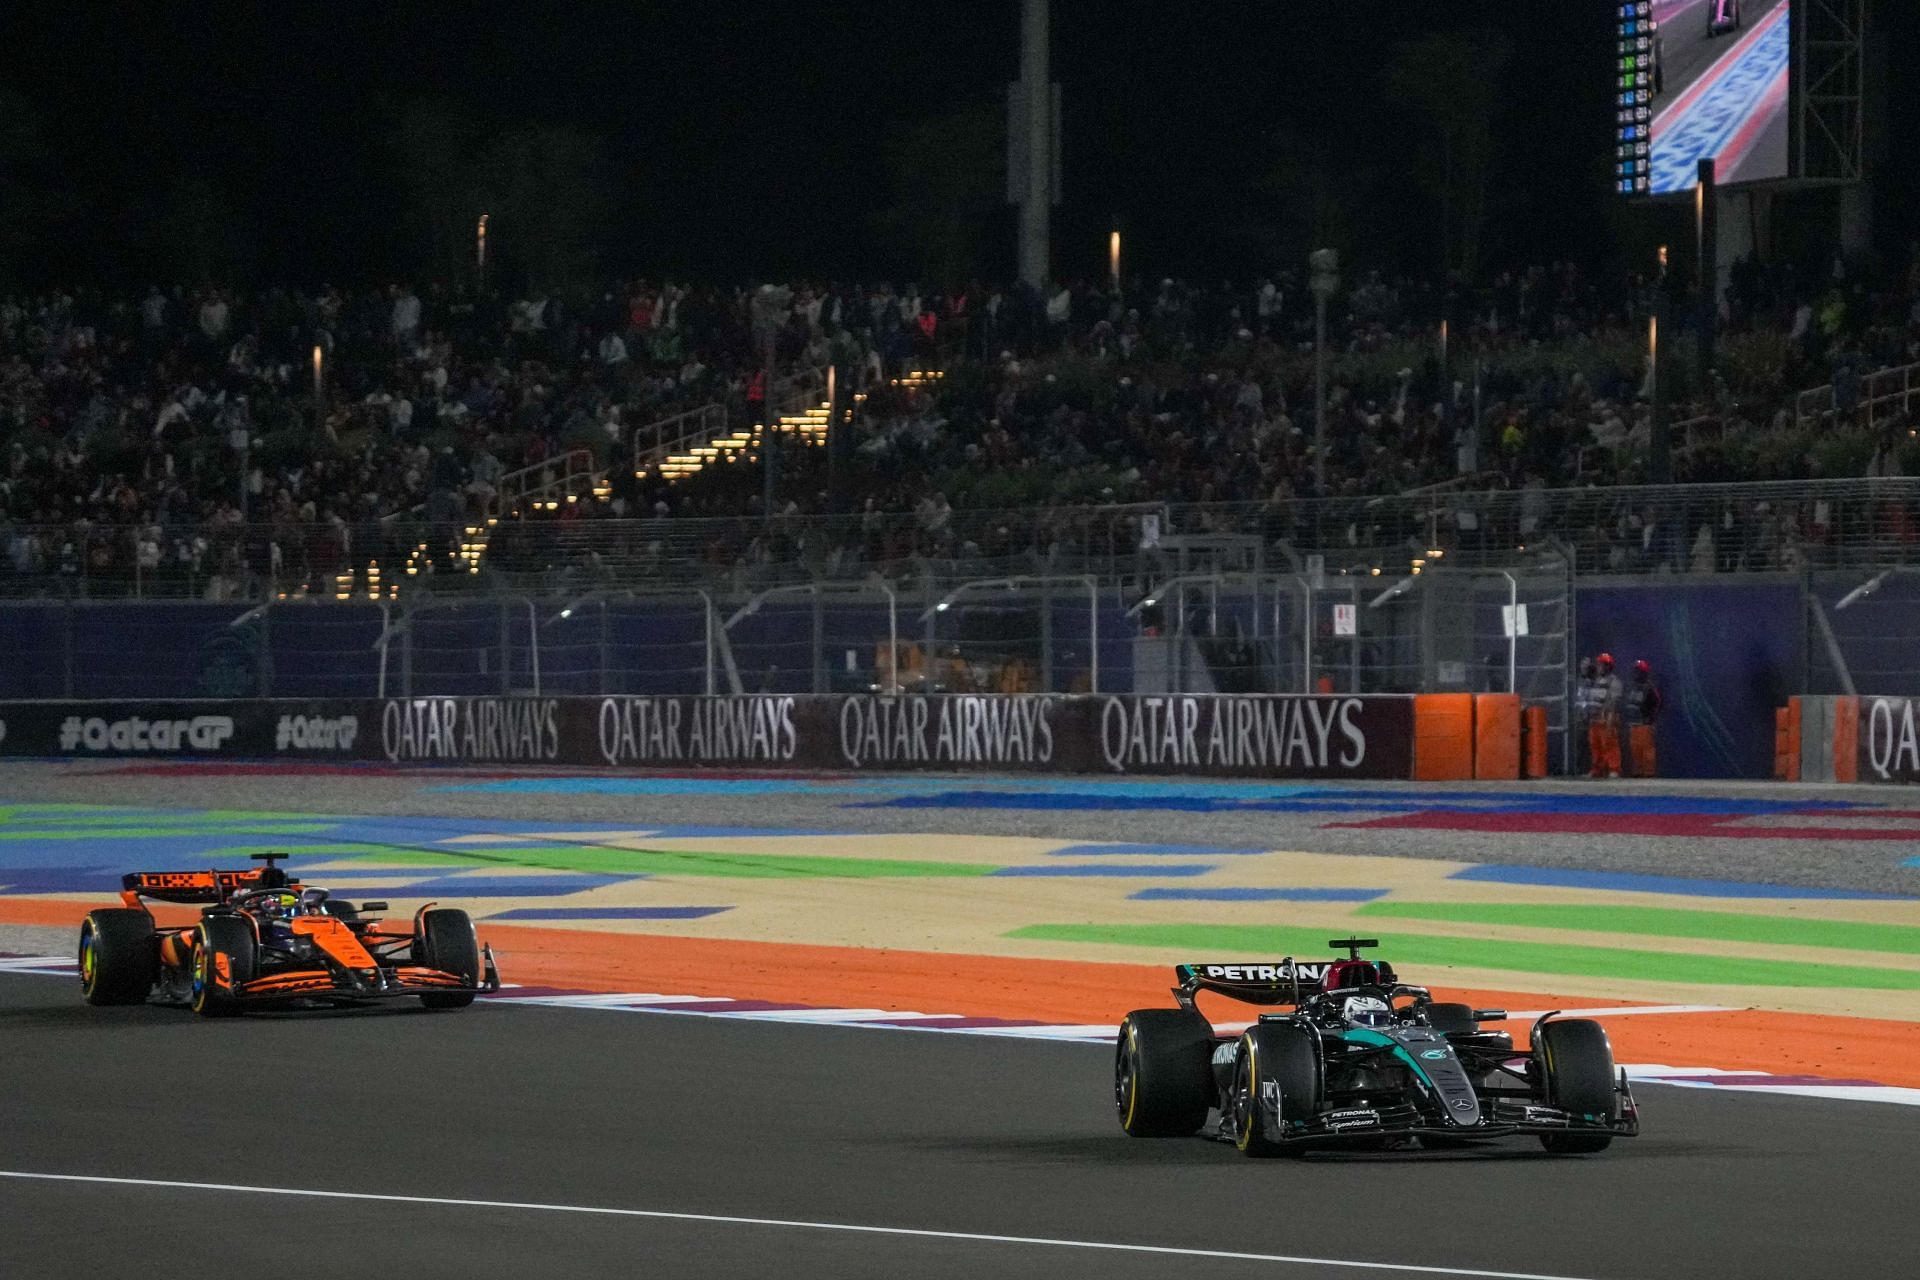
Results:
1672 826
1728 162
1712 74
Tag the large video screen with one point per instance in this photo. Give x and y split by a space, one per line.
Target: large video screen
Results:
1698 80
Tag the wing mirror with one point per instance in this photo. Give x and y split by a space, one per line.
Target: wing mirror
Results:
1489 1015
372 906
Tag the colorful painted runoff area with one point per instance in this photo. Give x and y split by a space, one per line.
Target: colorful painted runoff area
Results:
1055 934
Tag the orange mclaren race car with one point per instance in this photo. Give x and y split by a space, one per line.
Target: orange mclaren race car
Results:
266 940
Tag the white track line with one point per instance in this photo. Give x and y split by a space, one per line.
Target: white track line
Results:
792 1224
1628 1011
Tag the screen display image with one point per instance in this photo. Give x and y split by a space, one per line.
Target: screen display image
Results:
1697 80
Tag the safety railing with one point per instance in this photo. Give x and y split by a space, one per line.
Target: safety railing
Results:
1781 526
549 483
678 434
1880 396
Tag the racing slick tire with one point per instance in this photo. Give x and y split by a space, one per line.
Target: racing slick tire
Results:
1274 1063
1163 1073
219 936
444 940
1452 1019
119 960
1574 1063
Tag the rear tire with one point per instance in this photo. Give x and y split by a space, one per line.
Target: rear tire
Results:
218 937
119 957
1279 1062
445 941
1575 1065
1163 1073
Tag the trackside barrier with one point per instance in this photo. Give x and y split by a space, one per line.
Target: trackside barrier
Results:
1786 742
1496 735
1428 737
1425 737
1443 737
1849 739
1534 742
1218 735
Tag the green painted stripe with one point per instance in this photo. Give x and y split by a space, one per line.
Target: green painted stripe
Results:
210 821
664 862
1616 963
345 850
168 833
1720 926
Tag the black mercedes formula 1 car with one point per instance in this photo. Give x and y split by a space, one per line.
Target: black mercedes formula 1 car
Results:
1357 1058
265 940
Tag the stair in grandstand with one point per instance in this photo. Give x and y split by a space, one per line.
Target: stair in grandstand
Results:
567 479
679 446
687 443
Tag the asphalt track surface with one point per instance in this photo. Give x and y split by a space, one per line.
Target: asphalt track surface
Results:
544 1112
1688 51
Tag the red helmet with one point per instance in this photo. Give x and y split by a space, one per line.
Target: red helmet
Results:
1643 667
1605 660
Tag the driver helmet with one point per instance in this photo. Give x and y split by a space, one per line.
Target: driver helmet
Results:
1367 1011
311 902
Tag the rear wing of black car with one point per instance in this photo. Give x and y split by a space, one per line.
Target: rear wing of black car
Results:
1263 982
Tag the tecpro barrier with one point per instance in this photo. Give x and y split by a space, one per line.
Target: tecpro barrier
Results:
1252 736
1850 739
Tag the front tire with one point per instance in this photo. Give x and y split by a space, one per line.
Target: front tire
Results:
218 938
1163 1072
1574 1062
445 941
1277 1068
119 957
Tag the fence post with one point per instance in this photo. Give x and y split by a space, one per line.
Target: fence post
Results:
263 654
1353 641
1093 635
406 658
819 683
604 690
1046 635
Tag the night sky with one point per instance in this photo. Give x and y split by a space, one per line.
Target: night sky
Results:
745 139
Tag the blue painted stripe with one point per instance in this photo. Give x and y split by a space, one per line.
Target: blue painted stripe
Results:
607 913
1258 895
1625 882
471 886
1137 870
1111 850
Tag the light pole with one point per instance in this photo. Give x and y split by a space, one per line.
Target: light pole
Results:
1323 266
1513 632
816 590
1091 583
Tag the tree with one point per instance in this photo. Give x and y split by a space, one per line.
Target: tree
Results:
1450 83
947 177
32 199
435 145
548 201
197 235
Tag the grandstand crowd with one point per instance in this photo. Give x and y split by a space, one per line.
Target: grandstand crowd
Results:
221 438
